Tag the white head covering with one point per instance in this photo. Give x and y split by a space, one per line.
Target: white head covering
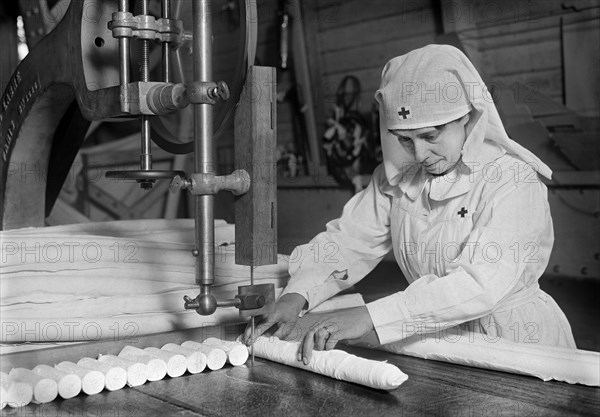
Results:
432 86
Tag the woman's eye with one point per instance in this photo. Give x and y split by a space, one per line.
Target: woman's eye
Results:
429 137
403 139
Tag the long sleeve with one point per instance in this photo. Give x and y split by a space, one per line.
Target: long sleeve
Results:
506 252
347 250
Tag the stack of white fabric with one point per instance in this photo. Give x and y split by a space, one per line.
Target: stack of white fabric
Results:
113 279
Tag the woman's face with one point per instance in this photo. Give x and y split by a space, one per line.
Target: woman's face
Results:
437 149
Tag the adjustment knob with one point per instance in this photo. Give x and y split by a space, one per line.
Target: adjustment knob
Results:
223 90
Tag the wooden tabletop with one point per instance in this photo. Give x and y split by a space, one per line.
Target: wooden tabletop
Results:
272 389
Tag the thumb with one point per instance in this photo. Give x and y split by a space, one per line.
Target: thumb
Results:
333 340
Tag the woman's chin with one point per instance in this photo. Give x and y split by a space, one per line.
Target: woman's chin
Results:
440 168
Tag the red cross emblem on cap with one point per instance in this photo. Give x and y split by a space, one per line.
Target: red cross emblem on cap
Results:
404 112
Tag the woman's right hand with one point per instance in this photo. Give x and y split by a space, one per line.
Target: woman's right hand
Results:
284 317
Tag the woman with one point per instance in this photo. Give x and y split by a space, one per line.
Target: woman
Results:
460 204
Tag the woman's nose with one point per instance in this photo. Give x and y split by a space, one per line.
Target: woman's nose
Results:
421 151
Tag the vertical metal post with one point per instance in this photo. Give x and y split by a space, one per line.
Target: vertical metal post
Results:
146 156
166 46
124 62
203 144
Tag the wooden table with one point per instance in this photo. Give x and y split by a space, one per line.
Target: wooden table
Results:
272 389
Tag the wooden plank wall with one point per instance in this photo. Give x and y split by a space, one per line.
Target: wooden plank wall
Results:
359 38
511 41
344 37
519 41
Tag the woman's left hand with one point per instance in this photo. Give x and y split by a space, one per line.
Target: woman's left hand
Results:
330 328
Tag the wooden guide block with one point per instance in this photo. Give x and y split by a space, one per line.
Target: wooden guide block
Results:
44 389
92 382
176 362
157 368
237 353
215 357
137 373
69 385
14 393
196 360
255 151
115 377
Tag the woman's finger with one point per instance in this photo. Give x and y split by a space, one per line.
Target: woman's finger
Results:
262 326
332 340
321 337
307 346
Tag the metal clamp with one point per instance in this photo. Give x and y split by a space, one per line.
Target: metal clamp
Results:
156 98
125 24
208 92
250 300
256 299
238 183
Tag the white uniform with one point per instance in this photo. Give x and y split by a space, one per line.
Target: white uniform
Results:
472 245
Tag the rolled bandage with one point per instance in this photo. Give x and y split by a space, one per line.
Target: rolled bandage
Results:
44 389
574 366
137 373
157 368
4 386
176 362
215 357
92 382
333 363
237 353
69 385
115 377
196 360
14 393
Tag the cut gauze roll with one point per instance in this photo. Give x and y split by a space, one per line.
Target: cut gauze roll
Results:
44 389
92 382
69 385
196 360
237 353
215 356
333 363
176 362
137 373
157 368
15 393
115 377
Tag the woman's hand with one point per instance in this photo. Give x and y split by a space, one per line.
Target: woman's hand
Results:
330 328
285 316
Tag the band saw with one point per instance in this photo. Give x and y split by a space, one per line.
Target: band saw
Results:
50 102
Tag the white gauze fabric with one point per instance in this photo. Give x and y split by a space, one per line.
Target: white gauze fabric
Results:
432 86
333 363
